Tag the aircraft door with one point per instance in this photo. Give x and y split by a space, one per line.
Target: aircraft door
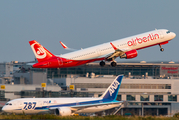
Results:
60 61
77 103
98 51
20 104
39 104
161 34
45 103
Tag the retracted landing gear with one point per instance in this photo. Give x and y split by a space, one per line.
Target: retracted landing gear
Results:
102 63
161 49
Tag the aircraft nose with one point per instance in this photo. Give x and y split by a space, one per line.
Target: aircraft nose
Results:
173 35
4 109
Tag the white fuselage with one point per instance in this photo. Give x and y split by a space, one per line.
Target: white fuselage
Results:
67 106
126 44
39 105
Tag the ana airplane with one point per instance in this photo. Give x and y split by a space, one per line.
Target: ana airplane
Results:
123 48
67 106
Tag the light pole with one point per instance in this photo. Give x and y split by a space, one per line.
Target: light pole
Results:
142 109
74 81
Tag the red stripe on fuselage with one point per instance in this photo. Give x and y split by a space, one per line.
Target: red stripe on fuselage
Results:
56 63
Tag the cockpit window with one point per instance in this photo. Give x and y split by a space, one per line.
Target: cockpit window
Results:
8 103
168 32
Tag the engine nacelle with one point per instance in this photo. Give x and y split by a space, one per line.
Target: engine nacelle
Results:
130 54
63 111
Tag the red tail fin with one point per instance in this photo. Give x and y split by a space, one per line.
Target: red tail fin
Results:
41 53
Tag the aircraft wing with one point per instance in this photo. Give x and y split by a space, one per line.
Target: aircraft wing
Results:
101 104
79 107
116 54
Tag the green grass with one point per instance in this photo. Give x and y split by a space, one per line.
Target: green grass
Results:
51 116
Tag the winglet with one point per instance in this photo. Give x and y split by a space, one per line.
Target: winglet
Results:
115 48
112 91
63 45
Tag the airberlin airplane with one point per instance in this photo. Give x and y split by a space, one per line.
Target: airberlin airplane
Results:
123 48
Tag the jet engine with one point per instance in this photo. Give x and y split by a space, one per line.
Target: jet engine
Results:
63 111
129 54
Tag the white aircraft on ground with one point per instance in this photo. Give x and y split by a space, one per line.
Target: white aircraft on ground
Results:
67 106
123 48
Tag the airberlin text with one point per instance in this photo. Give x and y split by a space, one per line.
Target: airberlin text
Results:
138 40
113 87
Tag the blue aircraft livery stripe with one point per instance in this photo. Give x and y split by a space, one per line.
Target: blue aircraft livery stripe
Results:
95 102
109 97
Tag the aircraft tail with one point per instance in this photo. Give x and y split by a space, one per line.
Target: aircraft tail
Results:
40 52
112 91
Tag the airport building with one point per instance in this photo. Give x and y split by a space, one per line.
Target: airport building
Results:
148 88
138 70
158 96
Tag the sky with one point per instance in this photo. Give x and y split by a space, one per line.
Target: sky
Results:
84 23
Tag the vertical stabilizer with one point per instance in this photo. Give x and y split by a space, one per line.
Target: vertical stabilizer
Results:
112 91
40 52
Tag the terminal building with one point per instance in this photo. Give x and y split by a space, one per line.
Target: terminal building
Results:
148 88
137 69
158 96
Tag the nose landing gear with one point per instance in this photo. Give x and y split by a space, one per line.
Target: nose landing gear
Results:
161 49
